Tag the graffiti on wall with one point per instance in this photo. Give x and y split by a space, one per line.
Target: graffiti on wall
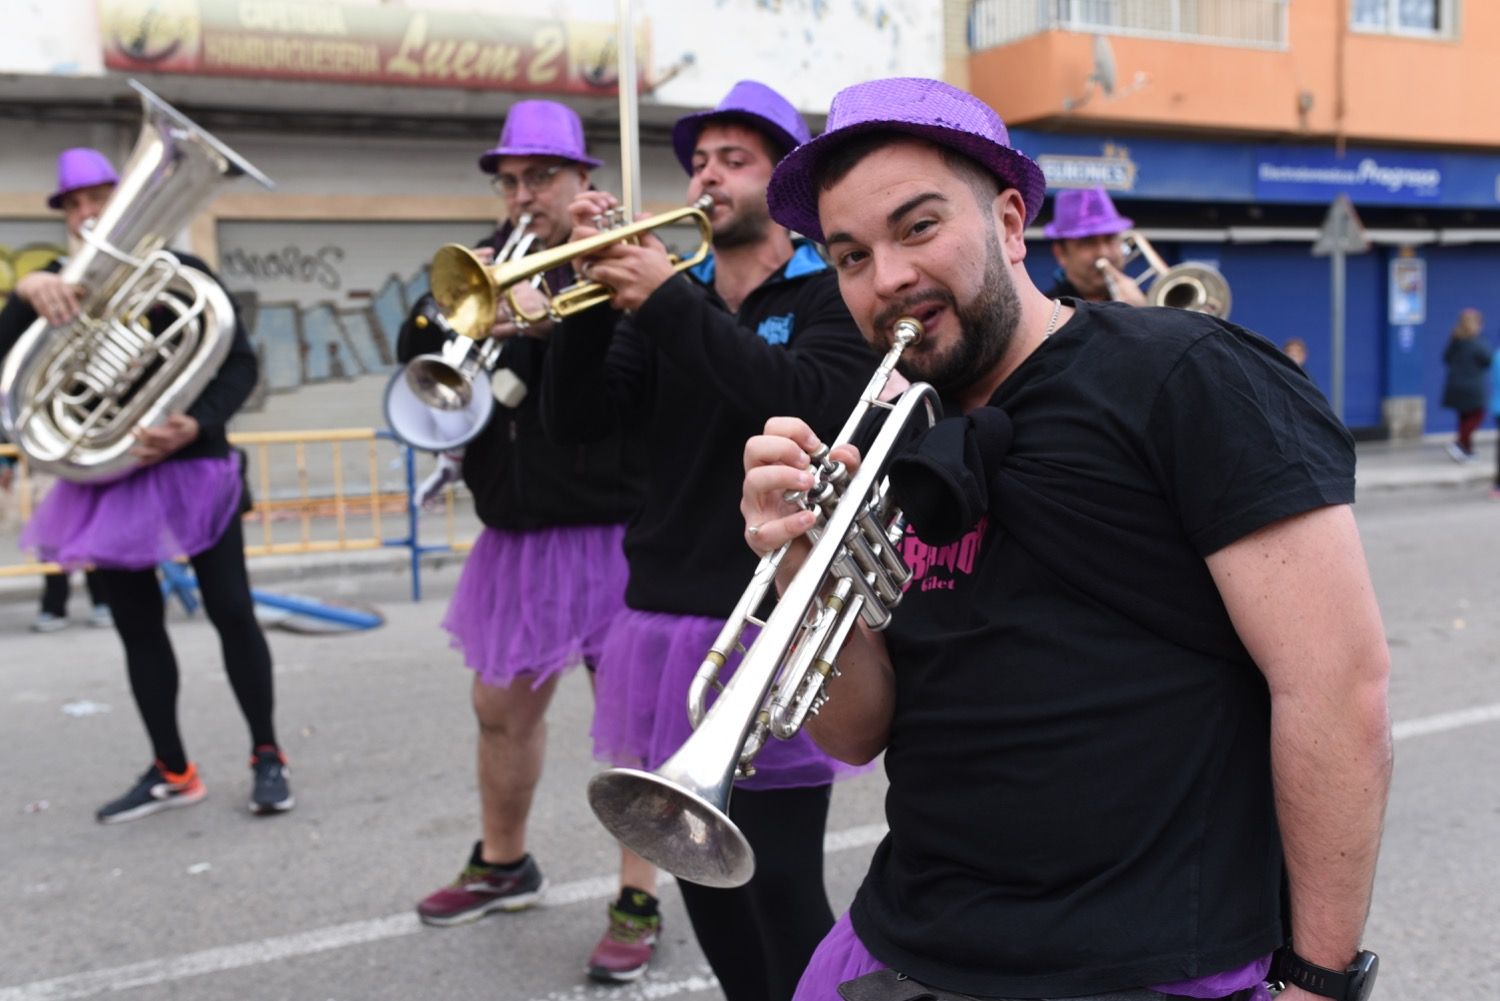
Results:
324 302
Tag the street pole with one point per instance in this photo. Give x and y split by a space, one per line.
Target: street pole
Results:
630 147
1336 264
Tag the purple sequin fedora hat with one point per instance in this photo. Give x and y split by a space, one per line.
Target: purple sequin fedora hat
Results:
752 103
80 167
539 128
929 109
1085 212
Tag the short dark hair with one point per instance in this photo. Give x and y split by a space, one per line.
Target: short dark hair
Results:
843 158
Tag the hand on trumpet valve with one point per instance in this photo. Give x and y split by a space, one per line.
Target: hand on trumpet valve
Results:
778 474
532 302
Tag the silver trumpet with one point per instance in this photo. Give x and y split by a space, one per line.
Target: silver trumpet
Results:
438 402
677 816
1191 285
150 333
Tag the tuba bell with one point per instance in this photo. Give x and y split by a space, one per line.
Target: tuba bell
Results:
677 816
70 396
1191 285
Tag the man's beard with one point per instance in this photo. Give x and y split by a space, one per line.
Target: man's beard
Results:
987 326
743 229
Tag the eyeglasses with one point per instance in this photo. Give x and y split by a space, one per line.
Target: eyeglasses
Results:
535 179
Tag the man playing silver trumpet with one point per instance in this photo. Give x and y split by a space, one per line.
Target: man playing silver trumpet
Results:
700 362
1133 704
547 575
1085 233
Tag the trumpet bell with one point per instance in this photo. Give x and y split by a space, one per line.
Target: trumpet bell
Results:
419 425
461 285
438 384
673 827
1195 287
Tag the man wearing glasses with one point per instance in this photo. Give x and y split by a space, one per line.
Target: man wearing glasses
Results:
547 574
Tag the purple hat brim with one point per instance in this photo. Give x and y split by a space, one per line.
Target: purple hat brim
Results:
55 200
1115 226
687 129
490 161
794 203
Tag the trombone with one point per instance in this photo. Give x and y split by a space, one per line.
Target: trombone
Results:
469 292
1191 285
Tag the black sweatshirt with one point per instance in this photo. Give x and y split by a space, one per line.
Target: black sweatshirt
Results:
520 480
698 380
218 402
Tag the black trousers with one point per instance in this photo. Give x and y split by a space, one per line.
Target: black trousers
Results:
55 590
759 937
135 598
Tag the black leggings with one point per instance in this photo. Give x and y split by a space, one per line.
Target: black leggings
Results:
135 598
55 588
759 937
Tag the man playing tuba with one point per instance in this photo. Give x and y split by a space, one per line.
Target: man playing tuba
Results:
183 497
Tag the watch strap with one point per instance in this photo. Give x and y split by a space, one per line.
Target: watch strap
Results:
1291 969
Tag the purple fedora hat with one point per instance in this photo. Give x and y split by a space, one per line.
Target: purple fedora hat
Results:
1084 212
80 167
539 128
930 109
752 103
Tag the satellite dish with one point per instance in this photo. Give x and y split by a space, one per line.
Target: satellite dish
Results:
1104 65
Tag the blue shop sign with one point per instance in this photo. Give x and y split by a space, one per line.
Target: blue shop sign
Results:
1367 177
1187 171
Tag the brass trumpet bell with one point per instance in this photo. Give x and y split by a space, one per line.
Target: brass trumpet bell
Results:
469 292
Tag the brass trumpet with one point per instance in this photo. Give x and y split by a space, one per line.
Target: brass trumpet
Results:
469 292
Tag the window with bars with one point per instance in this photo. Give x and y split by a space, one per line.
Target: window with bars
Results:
1405 17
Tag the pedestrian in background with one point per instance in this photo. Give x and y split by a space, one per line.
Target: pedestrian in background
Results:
1465 388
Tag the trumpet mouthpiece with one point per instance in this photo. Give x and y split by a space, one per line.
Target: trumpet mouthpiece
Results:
910 327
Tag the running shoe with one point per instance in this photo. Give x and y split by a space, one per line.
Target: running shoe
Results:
156 790
271 792
629 942
482 889
46 622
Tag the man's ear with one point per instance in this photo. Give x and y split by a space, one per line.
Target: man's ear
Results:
1009 213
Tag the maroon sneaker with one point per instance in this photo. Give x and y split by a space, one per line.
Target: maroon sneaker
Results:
482 889
625 951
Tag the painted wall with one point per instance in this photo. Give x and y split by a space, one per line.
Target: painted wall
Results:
1394 89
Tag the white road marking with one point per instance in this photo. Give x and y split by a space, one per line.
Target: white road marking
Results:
1443 722
269 950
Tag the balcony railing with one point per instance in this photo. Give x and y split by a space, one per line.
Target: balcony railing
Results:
1252 23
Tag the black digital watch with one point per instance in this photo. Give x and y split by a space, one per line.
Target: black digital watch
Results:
1354 984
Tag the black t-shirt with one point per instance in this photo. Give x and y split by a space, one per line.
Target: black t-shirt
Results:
1080 792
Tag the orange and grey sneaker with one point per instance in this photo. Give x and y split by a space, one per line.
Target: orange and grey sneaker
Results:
629 942
156 790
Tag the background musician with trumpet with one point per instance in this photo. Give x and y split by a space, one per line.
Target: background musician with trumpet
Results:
547 575
1148 682
1085 233
183 496
699 364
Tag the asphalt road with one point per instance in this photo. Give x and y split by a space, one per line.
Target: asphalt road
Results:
211 903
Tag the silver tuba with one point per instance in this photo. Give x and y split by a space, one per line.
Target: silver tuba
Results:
1191 285
70 396
677 816
441 401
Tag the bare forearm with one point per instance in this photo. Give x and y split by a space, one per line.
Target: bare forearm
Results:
1331 761
855 723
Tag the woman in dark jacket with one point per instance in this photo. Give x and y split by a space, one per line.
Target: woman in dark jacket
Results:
1466 388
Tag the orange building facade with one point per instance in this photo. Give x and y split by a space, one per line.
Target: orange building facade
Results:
1226 128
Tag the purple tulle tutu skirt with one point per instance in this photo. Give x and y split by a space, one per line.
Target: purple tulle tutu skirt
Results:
533 603
841 956
640 702
162 512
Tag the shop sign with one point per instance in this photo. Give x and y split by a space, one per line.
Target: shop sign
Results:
1112 169
1368 178
342 42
